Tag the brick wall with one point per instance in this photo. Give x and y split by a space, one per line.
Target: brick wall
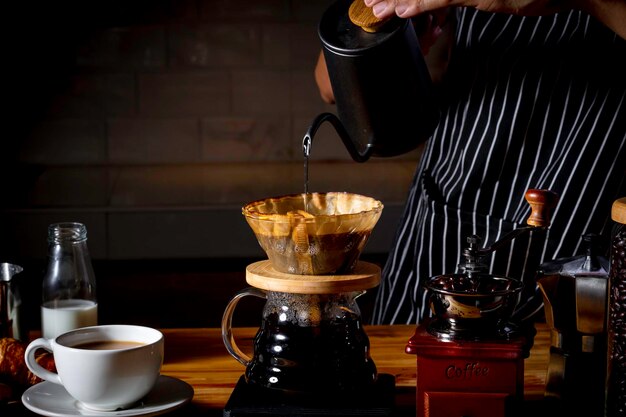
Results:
153 122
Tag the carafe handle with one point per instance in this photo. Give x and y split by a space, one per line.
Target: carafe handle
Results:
227 321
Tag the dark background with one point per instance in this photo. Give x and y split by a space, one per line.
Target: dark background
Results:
153 123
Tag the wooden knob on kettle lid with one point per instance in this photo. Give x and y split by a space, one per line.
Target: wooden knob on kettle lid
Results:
542 202
362 16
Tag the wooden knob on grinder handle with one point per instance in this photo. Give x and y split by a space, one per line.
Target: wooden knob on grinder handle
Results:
542 202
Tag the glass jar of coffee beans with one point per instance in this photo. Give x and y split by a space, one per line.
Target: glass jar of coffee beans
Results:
616 369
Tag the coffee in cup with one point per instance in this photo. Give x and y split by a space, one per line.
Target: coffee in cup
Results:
105 368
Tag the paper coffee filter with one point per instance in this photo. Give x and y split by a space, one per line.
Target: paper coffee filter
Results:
325 213
314 233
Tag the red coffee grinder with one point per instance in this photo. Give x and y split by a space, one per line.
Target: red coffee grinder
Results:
470 356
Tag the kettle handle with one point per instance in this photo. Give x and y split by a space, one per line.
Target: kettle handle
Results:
227 322
356 154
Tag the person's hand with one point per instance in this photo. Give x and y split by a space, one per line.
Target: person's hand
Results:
428 28
611 13
409 8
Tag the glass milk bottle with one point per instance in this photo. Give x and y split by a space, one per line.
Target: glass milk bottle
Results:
69 284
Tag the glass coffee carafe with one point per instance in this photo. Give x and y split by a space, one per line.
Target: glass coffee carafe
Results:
307 342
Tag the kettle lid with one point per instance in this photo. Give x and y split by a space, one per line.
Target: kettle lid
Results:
364 17
346 28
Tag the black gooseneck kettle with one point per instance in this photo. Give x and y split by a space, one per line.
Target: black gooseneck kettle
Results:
382 87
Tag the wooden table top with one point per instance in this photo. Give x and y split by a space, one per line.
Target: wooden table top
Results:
198 357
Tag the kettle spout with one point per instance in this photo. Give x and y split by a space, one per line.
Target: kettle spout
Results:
359 155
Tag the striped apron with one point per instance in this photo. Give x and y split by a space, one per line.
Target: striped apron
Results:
527 102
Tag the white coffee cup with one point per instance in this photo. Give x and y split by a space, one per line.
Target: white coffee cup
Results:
103 377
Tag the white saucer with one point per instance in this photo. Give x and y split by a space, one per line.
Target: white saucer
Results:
52 400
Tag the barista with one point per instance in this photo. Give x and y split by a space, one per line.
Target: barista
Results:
535 99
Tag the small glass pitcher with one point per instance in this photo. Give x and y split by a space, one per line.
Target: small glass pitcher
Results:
11 324
306 342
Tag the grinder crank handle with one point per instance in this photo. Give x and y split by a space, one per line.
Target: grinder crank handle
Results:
542 203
